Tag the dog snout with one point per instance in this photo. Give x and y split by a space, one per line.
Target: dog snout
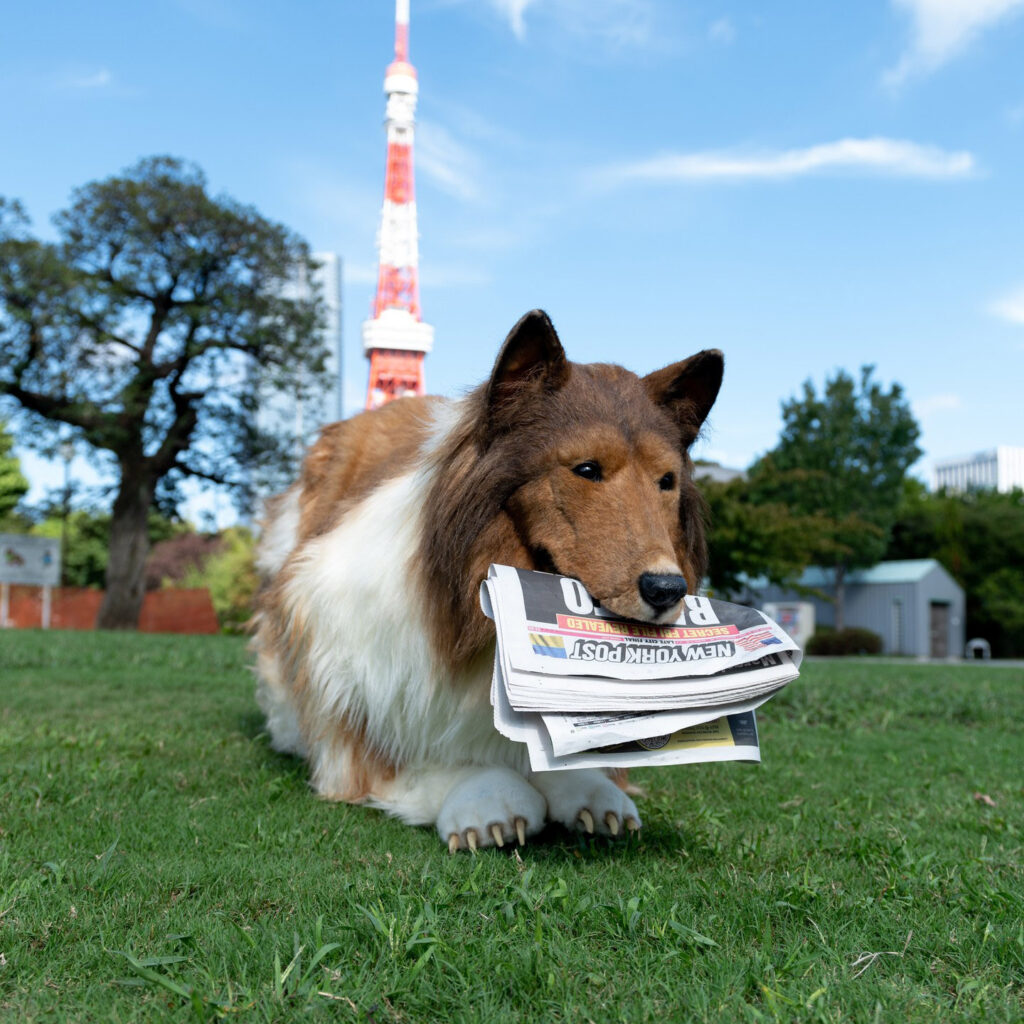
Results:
661 591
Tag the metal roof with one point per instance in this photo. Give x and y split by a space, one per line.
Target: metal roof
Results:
911 570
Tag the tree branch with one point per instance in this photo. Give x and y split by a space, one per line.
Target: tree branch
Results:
179 434
93 323
57 408
213 478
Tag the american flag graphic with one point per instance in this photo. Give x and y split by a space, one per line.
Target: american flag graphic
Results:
752 639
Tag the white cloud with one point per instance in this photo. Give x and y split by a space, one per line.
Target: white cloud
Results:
941 29
893 157
1010 307
512 11
453 167
722 31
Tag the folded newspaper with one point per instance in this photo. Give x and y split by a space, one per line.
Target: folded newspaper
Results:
584 689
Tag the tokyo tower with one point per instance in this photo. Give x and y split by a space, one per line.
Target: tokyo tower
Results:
395 340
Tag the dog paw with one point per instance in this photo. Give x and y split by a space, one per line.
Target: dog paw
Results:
492 807
587 800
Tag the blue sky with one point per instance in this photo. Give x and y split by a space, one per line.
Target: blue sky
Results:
806 186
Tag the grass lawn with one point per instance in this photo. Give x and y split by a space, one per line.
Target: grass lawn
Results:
159 862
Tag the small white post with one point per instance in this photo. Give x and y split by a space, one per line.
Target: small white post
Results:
5 605
47 605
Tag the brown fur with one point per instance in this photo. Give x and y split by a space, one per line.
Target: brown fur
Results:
352 457
354 768
505 491
358 768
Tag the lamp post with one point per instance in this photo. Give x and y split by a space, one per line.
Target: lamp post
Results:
67 453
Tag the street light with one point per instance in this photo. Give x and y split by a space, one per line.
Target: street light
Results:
67 453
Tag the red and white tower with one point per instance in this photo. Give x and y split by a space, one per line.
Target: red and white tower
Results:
395 340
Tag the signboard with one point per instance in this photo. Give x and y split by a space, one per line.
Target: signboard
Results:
795 617
31 560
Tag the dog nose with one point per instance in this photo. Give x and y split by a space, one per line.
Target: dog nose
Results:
661 592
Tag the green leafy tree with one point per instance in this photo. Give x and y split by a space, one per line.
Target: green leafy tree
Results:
174 558
748 539
86 538
231 577
148 329
979 538
841 459
86 541
13 485
1000 597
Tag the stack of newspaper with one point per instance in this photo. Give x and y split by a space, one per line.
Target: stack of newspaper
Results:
585 689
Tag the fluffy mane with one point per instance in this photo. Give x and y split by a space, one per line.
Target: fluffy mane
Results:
478 467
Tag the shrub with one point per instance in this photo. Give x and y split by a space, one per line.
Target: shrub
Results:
230 575
173 559
842 642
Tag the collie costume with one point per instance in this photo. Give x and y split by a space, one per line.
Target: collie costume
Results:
373 655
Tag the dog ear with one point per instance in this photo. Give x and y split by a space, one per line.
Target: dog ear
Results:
687 390
532 360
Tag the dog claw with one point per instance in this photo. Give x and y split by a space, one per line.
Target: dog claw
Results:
611 819
632 825
588 820
470 839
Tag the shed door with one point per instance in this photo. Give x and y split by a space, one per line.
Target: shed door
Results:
897 627
939 629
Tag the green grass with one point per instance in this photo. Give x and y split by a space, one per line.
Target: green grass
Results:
159 862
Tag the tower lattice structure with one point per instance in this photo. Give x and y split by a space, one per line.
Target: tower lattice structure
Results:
395 339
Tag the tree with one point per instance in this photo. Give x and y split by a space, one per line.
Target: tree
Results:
86 536
179 556
979 538
747 540
231 576
841 459
148 329
13 485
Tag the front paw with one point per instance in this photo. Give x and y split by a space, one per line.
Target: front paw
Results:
490 808
587 799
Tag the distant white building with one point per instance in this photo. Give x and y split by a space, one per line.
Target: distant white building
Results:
328 274
1000 469
716 472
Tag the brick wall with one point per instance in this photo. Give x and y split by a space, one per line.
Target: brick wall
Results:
163 611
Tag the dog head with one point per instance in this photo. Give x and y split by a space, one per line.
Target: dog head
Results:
581 469
604 488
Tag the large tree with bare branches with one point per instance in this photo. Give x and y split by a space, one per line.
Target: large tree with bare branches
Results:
148 331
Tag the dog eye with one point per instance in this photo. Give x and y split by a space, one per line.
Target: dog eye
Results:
667 482
588 470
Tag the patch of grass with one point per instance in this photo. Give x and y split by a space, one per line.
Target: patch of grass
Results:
159 862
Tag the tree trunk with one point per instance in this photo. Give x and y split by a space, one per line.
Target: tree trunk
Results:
129 546
840 582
